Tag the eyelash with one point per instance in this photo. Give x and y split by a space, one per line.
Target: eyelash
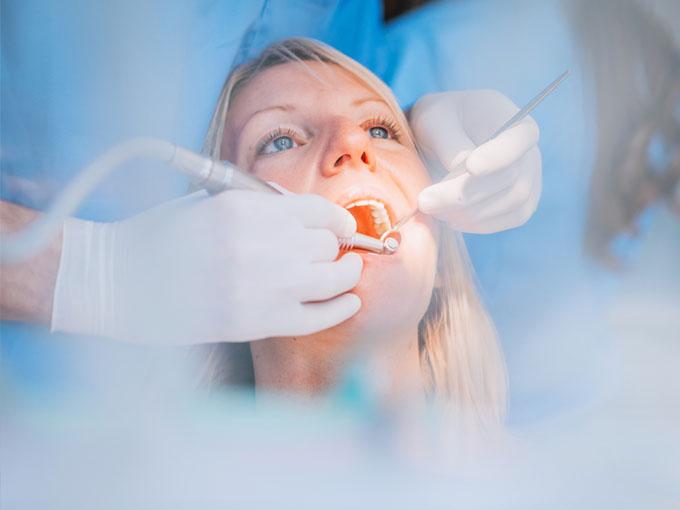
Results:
378 121
391 126
278 132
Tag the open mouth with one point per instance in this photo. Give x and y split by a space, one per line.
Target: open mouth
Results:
373 216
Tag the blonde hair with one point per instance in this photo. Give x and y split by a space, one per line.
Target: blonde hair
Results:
460 357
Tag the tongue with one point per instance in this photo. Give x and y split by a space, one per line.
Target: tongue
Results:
365 223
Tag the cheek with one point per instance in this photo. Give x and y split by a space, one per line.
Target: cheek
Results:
286 170
420 178
407 171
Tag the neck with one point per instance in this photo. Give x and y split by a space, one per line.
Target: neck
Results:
311 365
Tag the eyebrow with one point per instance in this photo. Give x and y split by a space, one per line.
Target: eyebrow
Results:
374 99
290 107
281 107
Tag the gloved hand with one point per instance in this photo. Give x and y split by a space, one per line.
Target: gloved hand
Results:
499 184
236 266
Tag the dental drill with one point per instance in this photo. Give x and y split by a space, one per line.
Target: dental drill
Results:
214 176
217 176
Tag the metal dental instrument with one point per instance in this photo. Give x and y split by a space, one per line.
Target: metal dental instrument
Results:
394 234
216 176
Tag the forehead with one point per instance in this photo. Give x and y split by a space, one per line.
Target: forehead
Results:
313 84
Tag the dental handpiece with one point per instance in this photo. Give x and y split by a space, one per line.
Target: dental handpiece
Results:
394 234
214 176
217 176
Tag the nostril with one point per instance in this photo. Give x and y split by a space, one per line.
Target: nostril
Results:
341 160
364 158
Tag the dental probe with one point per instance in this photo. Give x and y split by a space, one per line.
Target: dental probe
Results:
394 234
216 176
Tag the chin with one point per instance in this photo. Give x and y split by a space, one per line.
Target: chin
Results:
395 290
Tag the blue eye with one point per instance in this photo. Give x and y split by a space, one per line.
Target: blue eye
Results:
283 143
379 132
280 144
277 142
383 128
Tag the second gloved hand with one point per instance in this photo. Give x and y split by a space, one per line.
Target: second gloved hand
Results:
486 188
236 266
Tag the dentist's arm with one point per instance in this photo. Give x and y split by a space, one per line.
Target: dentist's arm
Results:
26 289
499 185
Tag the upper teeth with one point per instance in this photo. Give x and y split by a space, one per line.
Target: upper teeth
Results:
378 211
368 201
380 215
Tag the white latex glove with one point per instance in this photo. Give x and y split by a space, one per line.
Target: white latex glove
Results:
499 185
236 266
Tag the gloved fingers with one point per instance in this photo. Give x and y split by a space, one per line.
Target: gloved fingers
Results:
465 190
459 194
314 211
503 150
324 280
443 196
435 122
326 314
508 208
320 245
480 187
482 112
512 219
442 148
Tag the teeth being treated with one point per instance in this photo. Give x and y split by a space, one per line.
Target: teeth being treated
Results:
371 215
380 216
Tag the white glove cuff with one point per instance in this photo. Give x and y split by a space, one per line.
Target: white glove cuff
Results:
83 293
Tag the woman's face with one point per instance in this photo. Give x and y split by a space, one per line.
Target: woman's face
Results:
319 130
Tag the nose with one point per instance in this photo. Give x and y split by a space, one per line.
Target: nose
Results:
349 146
